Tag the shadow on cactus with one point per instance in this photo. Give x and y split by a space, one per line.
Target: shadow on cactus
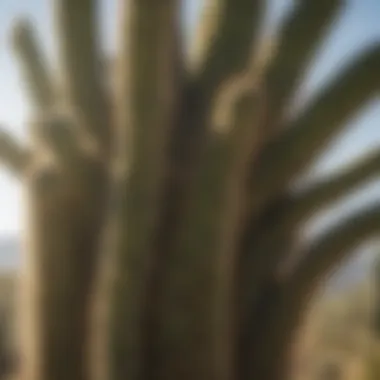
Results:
160 209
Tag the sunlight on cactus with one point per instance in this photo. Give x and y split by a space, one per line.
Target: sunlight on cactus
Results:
161 213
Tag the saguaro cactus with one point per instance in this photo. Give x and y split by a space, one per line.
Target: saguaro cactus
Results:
160 209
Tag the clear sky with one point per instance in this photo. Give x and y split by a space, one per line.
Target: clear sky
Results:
355 28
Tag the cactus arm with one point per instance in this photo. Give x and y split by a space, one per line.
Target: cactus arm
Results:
265 251
321 194
214 60
64 225
145 101
54 303
81 65
12 155
304 204
34 69
291 153
333 247
296 288
300 36
216 56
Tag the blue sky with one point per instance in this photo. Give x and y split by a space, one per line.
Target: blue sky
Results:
357 26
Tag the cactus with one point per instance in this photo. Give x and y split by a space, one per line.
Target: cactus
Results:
372 369
376 296
161 212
